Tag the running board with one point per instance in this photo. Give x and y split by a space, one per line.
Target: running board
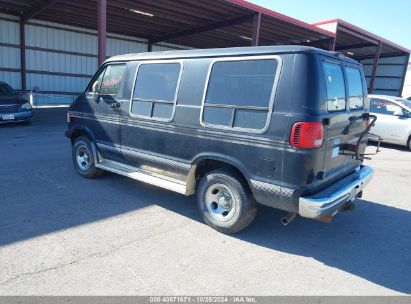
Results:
144 176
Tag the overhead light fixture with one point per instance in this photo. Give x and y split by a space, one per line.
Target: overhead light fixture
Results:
350 53
245 37
141 13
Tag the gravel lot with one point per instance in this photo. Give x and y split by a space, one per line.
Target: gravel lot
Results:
61 234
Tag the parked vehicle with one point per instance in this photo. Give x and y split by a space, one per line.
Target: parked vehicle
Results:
283 126
13 107
394 119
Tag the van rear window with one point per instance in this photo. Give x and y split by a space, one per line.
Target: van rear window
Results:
239 93
334 79
355 88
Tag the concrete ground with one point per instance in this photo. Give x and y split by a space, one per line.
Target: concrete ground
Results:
61 234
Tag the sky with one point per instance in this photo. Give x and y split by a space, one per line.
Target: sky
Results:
390 19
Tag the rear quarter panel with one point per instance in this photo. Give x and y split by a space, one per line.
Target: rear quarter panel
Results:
309 171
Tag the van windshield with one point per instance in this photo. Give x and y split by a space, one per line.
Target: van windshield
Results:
6 90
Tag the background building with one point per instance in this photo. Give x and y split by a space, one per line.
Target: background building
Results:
53 47
383 62
59 59
407 83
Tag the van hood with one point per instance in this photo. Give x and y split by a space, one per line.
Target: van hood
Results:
12 99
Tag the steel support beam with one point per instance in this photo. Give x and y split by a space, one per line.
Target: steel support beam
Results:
23 56
333 42
332 45
374 67
149 47
256 30
200 29
37 10
23 19
102 30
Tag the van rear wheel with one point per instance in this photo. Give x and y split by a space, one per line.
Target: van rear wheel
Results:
225 201
83 158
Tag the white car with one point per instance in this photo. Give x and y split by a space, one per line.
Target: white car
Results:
393 123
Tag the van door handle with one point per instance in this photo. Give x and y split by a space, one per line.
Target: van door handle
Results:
115 105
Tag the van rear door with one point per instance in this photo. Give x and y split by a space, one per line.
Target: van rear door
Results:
345 120
358 121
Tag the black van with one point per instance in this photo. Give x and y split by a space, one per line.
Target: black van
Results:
283 126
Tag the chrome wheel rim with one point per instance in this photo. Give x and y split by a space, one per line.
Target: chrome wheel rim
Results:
83 158
220 202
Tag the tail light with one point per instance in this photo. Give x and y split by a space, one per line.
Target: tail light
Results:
307 135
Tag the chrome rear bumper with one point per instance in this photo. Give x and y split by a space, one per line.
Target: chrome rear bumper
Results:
331 198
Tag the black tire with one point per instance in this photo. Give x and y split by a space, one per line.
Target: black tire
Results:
409 143
83 146
240 196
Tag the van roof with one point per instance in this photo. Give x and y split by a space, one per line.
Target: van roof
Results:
221 52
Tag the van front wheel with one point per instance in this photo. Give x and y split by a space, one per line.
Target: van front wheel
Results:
83 158
225 201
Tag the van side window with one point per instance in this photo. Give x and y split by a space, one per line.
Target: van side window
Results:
155 90
334 79
239 93
112 80
355 88
385 107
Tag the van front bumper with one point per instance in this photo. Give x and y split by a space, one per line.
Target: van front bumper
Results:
327 201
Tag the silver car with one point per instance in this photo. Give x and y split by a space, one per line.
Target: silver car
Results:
394 119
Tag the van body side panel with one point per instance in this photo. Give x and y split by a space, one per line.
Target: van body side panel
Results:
267 189
83 107
183 142
302 166
168 145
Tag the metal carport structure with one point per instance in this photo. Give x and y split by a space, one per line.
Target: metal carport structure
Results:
201 24
384 62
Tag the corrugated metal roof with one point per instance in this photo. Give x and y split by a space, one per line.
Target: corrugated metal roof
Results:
349 34
155 19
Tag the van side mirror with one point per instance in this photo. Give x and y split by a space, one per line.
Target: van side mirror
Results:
96 91
95 87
